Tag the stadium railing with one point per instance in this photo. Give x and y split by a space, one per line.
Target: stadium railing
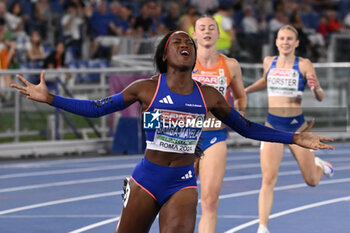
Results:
29 128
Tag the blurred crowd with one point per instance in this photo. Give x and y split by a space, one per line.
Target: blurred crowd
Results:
57 33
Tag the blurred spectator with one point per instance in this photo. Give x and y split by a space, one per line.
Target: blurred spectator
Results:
16 20
115 9
265 7
227 34
7 52
323 27
3 11
56 59
263 24
71 23
346 22
304 42
143 23
108 24
34 47
203 6
334 24
127 20
277 21
2 28
156 15
186 21
253 36
79 4
249 23
171 18
7 61
100 28
41 17
143 28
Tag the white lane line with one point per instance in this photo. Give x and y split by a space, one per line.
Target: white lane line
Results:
113 178
232 216
54 184
65 171
284 163
251 154
98 224
59 161
57 202
89 227
132 165
285 187
284 173
61 216
221 197
290 211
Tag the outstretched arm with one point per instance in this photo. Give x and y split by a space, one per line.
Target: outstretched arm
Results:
257 86
261 84
261 132
88 108
223 111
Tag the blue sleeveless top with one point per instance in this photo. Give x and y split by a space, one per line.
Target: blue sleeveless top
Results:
285 82
173 122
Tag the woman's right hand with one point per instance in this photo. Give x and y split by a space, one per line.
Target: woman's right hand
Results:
38 92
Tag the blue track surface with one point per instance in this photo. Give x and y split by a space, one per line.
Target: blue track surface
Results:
83 195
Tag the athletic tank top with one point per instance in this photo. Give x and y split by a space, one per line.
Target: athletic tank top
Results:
179 119
218 77
285 82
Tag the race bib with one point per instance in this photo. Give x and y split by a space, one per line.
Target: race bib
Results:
219 83
179 131
283 82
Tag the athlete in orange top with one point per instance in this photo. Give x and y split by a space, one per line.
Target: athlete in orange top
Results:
221 72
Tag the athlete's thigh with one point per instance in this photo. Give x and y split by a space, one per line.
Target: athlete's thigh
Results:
139 210
212 167
305 159
270 157
178 214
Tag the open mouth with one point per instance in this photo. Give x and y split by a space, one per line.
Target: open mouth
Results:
185 53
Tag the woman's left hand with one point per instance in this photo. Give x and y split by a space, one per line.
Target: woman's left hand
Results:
309 140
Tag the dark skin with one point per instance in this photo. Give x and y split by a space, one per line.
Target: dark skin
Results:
178 214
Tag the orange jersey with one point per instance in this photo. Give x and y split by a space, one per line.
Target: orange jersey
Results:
218 77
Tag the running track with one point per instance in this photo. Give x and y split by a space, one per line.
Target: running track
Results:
80 194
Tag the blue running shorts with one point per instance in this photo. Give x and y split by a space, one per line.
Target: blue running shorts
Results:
289 124
210 137
161 181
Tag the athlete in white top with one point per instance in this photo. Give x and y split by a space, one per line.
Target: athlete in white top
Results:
285 77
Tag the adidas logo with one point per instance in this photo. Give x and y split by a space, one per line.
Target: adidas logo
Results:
294 121
187 176
166 100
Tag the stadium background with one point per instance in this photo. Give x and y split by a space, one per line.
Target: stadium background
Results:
109 44
61 172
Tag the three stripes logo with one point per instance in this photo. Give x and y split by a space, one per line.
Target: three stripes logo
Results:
187 175
166 100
